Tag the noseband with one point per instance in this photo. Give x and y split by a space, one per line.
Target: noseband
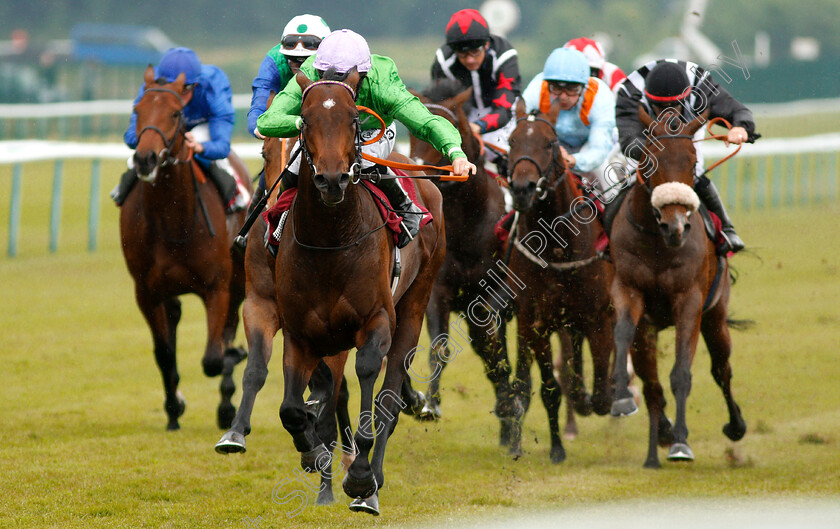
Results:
166 153
544 174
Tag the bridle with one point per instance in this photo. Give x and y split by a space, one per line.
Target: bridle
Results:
356 167
543 186
166 156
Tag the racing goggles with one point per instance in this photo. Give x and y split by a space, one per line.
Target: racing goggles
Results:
570 89
308 42
469 47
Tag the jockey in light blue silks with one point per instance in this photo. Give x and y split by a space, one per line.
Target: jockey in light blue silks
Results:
586 123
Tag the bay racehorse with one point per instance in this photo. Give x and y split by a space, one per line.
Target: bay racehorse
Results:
472 209
176 240
332 291
667 273
328 400
567 285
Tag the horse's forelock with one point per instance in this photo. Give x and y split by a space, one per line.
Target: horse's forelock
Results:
333 75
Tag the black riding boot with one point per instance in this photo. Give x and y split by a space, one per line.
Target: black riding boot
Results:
127 181
708 193
225 183
411 214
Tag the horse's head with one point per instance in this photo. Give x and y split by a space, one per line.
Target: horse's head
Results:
330 133
160 124
668 166
446 99
535 164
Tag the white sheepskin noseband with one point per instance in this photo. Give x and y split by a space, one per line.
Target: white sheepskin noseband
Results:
674 193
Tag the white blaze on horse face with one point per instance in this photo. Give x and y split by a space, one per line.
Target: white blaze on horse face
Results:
329 103
530 132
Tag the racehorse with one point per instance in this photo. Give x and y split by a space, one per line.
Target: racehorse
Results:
176 240
328 400
567 285
332 289
472 209
667 273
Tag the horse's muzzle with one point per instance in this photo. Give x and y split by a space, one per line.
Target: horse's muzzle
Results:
146 164
674 227
332 187
523 195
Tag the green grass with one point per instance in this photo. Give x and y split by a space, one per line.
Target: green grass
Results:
83 425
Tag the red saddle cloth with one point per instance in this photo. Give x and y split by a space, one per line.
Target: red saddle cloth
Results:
392 219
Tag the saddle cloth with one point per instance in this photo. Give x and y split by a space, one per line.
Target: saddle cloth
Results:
276 216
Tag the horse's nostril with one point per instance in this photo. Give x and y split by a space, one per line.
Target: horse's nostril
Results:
319 180
663 226
687 226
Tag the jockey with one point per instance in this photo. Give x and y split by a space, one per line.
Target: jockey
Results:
586 120
208 119
598 65
690 90
487 63
381 89
300 39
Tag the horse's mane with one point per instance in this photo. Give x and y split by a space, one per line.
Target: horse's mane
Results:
443 89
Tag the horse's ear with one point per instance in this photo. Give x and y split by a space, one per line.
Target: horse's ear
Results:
302 80
149 76
554 110
644 117
353 79
271 95
463 97
697 122
521 111
179 82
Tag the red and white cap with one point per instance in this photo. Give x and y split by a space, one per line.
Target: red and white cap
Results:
591 48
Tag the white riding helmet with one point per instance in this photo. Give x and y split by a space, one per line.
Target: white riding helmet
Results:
302 35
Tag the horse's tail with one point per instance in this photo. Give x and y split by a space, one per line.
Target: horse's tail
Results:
740 325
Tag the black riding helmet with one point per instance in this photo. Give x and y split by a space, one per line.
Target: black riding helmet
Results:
467 29
666 83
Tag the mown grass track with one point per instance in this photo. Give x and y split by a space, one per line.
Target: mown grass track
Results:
83 440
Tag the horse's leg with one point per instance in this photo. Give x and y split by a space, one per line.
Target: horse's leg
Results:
716 335
566 378
496 368
163 318
259 313
629 306
601 343
298 365
360 481
437 321
348 454
326 418
550 391
216 303
521 384
644 360
687 313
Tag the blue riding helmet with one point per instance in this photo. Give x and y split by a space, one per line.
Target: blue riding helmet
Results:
566 64
177 60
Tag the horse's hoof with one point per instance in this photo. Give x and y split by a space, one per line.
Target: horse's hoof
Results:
680 452
182 402
358 488
623 407
325 497
735 432
652 463
213 366
570 433
417 404
558 454
430 412
369 505
173 426
225 414
310 460
231 443
238 354
506 432
583 406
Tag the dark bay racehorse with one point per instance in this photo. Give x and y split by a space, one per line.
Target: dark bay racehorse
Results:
328 400
472 209
567 286
332 290
667 273
176 240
